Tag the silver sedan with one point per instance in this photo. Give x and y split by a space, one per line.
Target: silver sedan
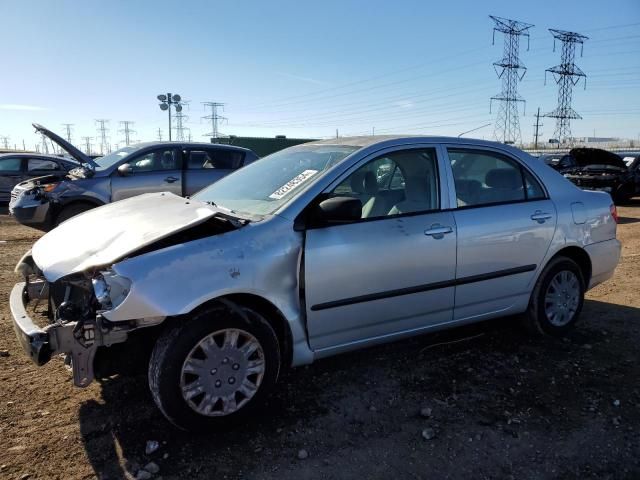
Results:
316 250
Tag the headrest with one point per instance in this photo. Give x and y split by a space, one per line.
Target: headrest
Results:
357 182
370 183
364 183
503 178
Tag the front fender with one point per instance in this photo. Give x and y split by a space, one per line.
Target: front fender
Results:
262 259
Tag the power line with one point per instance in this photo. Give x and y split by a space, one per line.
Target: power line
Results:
127 130
214 118
181 119
102 131
87 144
507 128
567 74
67 127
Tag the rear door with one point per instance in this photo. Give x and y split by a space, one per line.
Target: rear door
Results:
505 223
38 167
157 170
11 173
204 166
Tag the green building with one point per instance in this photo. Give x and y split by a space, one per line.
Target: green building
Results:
262 146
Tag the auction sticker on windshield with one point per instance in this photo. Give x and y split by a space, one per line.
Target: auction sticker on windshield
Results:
293 184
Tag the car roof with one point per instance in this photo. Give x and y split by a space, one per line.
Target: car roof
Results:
370 140
190 144
47 156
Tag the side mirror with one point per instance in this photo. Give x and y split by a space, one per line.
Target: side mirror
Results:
125 170
337 210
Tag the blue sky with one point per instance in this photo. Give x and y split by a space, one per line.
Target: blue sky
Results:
305 69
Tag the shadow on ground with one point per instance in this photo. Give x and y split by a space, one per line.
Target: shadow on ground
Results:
358 413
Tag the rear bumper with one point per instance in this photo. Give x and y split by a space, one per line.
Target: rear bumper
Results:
604 259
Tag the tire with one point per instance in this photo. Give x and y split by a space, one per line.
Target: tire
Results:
540 317
180 350
71 211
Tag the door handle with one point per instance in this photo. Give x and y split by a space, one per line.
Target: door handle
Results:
438 231
171 179
540 216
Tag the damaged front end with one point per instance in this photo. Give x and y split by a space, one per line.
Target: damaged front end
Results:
74 323
30 201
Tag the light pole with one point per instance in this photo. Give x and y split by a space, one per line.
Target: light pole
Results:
165 104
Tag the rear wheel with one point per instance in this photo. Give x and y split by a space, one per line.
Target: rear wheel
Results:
214 369
71 211
557 299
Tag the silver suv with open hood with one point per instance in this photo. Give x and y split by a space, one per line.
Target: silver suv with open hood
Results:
176 167
315 250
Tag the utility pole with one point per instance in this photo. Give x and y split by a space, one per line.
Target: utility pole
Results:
5 142
567 75
214 118
67 127
510 70
87 144
102 131
24 145
159 134
537 126
127 130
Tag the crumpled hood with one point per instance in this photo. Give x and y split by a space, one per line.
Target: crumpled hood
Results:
105 234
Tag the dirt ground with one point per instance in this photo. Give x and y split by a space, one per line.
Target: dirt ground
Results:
502 404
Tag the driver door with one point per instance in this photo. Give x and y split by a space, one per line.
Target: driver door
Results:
391 272
158 170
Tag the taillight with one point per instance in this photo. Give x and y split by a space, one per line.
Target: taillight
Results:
614 212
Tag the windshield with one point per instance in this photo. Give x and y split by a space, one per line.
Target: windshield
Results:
114 157
262 187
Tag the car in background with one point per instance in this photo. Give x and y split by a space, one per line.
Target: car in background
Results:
18 167
177 167
309 253
597 169
630 159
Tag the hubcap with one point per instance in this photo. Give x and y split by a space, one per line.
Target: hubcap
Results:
562 298
222 372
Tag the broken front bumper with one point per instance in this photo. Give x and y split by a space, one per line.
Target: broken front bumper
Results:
30 211
80 340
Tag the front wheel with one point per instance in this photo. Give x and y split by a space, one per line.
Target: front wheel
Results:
211 370
71 211
557 298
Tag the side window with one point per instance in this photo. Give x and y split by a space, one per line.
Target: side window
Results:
484 178
157 160
218 158
534 189
10 165
397 183
40 164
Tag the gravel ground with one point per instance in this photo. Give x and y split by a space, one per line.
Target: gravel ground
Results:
485 401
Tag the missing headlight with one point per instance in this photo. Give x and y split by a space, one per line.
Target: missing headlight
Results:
110 289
